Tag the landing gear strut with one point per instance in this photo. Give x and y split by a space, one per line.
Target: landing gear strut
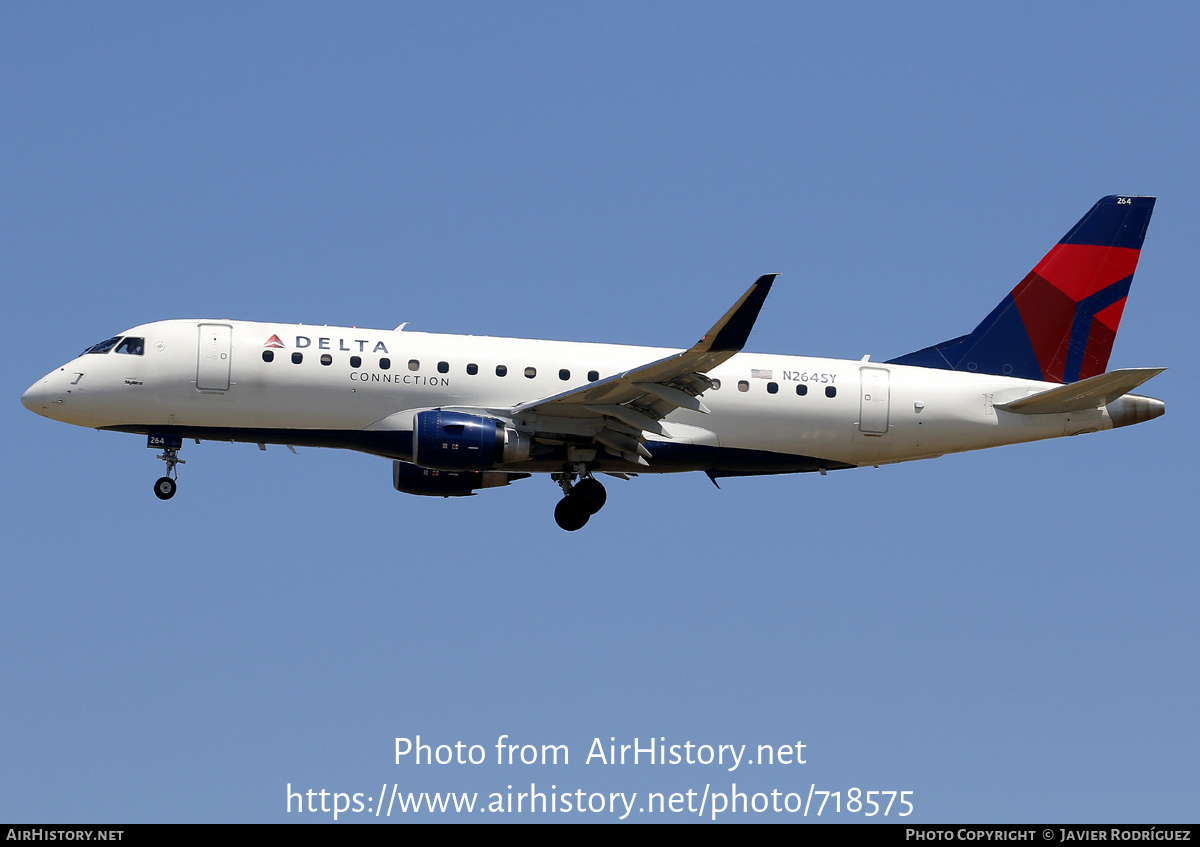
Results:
164 486
581 500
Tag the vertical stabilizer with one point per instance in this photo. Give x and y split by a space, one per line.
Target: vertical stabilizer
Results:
1059 323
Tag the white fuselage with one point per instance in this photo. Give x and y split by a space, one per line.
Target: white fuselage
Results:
209 379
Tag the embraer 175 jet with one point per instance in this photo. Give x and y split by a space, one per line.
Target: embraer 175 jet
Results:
460 413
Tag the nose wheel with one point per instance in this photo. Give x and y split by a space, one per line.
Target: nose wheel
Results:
165 486
164 489
580 501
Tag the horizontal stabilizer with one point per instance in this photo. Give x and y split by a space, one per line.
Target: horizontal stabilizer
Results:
1090 393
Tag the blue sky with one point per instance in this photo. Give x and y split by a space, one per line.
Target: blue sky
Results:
1011 635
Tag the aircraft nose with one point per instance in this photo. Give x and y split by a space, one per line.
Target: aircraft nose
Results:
39 397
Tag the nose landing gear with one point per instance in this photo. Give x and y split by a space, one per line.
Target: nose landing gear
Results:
580 501
164 486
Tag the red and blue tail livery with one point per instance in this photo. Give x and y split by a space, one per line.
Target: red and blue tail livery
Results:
1059 323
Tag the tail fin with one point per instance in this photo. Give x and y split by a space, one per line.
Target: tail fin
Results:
1059 323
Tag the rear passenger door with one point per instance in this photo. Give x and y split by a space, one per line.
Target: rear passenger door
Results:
875 401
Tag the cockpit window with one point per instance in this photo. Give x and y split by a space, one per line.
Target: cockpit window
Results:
132 346
103 346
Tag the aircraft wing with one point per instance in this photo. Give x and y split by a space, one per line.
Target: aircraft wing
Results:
626 405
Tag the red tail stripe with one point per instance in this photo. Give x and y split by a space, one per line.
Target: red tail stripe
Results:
1110 316
1080 270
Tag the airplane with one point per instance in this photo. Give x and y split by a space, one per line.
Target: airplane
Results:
457 414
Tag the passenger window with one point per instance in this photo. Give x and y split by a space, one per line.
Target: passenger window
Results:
801 390
414 365
772 388
385 364
743 385
472 369
268 355
564 374
530 373
326 359
297 358
131 345
593 376
830 391
443 367
716 385
356 361
501 370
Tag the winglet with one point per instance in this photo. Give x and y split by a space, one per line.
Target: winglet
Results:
729 334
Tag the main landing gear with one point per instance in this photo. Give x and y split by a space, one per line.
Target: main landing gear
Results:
581 500
164 487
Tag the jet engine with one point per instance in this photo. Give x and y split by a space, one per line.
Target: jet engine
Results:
413 480
457 441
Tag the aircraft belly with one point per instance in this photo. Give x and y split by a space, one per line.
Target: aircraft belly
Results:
823 432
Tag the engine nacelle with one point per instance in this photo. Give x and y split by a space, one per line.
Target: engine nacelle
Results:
413 480
457 441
